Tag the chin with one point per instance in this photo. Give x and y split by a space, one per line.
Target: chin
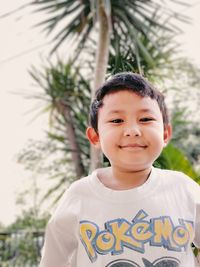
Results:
137 167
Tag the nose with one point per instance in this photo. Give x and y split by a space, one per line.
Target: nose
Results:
132 130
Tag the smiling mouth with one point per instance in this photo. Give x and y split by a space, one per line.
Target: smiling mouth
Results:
133 146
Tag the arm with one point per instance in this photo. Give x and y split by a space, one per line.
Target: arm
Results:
60 235
57 247
197 224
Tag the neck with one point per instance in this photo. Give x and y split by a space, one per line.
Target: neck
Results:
119 179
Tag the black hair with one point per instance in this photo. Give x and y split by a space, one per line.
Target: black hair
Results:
126 81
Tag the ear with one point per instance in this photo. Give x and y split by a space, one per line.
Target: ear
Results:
167 134
93 137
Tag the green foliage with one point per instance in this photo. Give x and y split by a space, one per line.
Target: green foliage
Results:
29 220
124 59
22 240
23 251
132 22
174 159
196 251
63 84
186 132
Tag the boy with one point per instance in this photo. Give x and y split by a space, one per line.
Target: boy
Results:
129 214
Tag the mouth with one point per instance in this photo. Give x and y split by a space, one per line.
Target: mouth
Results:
133 146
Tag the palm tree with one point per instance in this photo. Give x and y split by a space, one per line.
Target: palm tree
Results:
125 21
63 85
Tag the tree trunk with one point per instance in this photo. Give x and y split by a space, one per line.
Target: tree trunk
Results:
74 146
100 68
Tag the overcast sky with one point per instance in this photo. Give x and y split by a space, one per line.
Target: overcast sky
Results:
21 47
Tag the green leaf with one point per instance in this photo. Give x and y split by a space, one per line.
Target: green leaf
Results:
174 159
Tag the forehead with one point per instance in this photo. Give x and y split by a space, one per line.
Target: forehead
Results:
126 100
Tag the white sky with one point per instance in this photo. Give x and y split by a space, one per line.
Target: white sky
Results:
16 129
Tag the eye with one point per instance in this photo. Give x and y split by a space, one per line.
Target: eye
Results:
147 119
117 121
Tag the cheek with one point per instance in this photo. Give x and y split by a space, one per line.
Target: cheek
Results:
103 137
108 133
108 140
156 135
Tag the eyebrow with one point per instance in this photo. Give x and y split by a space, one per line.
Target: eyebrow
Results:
146 110
117 111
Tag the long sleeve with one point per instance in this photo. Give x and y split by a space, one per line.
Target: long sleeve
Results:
60 236
54 252
197 228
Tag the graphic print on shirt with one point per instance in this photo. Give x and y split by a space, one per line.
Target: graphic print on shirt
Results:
119 234
122 263
161 262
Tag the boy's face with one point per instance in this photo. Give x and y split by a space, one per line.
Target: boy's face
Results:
130 130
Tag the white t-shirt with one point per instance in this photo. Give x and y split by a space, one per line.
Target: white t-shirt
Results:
152 225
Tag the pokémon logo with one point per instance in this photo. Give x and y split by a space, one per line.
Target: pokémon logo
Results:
120 233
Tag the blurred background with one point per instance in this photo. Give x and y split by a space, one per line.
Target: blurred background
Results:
53 56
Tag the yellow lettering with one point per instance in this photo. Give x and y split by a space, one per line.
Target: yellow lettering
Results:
88 232
104 242
163 229
140 231
189 227
181 236
120 233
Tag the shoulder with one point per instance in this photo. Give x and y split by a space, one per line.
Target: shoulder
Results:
80 186
76 190
179 181
69 205
175 176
